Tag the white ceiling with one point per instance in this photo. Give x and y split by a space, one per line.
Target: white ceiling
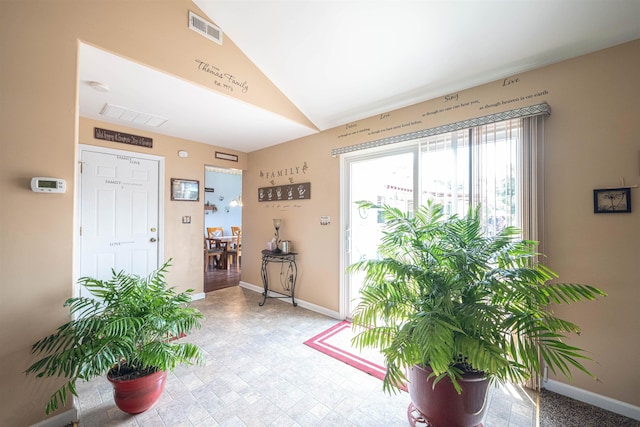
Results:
340 61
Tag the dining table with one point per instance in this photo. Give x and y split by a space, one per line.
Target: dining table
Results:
228 239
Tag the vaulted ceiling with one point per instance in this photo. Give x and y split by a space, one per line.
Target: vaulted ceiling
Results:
340 61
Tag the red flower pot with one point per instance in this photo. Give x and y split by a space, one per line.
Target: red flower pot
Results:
442 406
139 394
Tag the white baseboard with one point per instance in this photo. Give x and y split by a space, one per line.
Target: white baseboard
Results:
622 408
60 420
301 303
198 296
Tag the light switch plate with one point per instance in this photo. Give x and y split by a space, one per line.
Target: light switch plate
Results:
186 220
325 220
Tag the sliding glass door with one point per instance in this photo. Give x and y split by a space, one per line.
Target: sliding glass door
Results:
386 178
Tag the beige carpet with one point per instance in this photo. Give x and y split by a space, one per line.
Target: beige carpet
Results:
561 411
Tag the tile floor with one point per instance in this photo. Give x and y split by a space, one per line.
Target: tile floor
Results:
259 373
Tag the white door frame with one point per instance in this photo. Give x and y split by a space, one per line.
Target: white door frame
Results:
344 212
78 189
345 199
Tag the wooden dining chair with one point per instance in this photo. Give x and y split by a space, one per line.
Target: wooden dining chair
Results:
215 253
209 256
215 231
234 252
236 232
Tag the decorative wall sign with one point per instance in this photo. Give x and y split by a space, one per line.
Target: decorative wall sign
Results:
123 138
612 200
284 172
185 189
225 156
285 192
221 79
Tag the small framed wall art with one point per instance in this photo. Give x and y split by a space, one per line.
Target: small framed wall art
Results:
185 190
612 200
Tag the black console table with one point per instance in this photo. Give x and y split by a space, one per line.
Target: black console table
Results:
289 284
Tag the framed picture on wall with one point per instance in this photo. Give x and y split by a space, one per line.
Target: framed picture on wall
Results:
185 190
612 200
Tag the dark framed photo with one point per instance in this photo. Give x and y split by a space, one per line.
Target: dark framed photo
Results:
185 190
612 200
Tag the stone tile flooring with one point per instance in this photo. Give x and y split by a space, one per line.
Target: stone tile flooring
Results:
259 373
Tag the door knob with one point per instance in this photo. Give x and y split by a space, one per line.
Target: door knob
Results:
153 239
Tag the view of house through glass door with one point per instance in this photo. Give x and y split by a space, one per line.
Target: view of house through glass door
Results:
386 178
483 167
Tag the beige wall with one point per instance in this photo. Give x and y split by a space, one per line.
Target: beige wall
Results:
317 245
591 142
182 242
40 128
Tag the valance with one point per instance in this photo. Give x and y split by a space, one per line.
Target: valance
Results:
533 110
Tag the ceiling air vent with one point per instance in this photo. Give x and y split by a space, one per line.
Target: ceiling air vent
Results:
132 116
205 28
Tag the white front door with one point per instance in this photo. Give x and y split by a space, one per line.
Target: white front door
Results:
119 213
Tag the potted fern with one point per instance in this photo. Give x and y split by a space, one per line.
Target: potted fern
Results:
452 309
129 330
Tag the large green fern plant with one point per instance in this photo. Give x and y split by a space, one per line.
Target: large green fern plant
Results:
132 325
446 295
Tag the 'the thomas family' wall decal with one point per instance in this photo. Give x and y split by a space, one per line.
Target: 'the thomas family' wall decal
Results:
290 191
222 79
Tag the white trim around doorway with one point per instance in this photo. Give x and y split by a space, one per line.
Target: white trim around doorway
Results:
76 221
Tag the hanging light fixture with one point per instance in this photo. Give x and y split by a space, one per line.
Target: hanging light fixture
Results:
236 202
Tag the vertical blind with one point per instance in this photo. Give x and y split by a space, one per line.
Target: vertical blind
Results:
489 166
490 161
494 182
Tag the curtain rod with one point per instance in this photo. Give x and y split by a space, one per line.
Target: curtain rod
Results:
533 110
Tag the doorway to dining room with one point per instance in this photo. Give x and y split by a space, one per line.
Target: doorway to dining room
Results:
223 212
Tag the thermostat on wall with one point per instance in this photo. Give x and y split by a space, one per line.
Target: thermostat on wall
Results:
40 184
